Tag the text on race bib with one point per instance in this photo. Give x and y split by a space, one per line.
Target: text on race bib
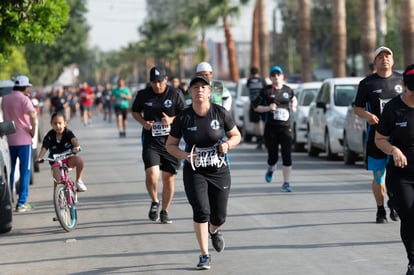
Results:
159 129
209 157
281 114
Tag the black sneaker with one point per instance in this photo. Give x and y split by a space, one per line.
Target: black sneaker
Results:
410 269
164 217
153 212
393 213
204 262
381 216
217 241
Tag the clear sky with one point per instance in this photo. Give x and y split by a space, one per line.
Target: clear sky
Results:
114 23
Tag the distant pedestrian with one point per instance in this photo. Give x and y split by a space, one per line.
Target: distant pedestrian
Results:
209 133
277 101
155 108
220 94
18 107
255 84
107 102
86 96
121 95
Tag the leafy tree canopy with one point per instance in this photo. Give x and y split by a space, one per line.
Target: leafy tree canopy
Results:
23 21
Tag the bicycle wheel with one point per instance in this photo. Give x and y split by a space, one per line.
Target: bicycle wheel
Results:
65 207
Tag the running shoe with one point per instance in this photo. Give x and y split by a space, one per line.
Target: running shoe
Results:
286 187
393 213
164 217
81 187
381 215
23 208
268 176
217 241
204 262
153 212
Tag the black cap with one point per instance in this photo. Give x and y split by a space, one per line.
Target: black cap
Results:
157 74
199 79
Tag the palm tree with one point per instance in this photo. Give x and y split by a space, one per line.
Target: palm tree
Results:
368 33
304 37
339 38
407 30
255 46
263 36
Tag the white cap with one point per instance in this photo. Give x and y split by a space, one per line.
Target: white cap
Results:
204 67
382 49
22 81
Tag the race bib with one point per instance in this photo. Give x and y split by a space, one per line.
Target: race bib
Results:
208 157
281 114
383 102
159 129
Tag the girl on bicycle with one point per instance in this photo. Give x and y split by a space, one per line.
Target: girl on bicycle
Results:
58 140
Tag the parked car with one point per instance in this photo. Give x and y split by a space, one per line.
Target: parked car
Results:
354 136
327 116
305 94
6 128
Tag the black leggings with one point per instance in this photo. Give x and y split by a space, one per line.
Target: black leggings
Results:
208 193
273 138
400 187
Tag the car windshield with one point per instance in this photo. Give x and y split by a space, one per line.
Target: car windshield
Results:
245 90
344 94
307 96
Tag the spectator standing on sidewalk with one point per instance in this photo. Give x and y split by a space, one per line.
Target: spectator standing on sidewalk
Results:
155 108
19 108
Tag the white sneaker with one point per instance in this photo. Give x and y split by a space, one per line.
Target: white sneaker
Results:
81 186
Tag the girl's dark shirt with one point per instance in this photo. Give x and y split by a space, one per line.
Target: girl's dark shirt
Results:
283 98
51 143
397 122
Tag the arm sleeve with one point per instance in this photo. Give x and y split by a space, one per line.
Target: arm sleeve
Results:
386 121
361 98
176 127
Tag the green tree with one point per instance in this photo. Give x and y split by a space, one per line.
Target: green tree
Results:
24 21
47 62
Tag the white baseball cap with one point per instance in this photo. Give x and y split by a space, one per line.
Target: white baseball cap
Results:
382 49
204 67
22 81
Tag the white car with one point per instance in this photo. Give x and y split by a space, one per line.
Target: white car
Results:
354 136
327 115
305 94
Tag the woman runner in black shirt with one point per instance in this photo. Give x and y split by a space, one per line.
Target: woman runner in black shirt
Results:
204 127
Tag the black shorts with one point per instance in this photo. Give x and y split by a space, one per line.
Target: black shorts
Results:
255 117
154 155
121 111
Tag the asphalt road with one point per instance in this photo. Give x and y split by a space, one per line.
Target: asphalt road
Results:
326 226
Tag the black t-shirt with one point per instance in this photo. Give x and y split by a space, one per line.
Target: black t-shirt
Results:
57 147
152 106
397 122
255 84
58 103
204 133
283 99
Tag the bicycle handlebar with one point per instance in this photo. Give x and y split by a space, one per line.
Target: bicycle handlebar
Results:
59 157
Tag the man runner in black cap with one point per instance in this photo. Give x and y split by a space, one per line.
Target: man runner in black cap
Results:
155 108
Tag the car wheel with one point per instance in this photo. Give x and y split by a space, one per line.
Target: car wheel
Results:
312 151
6 208
329 154
349 156
297 147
